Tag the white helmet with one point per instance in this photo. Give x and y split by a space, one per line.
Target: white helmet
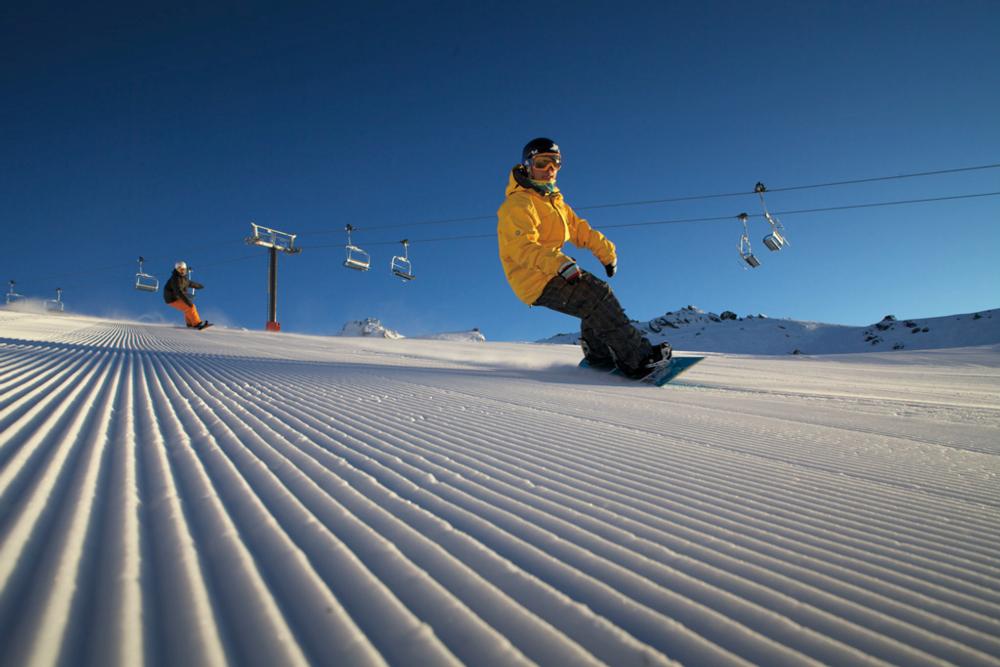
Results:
181 265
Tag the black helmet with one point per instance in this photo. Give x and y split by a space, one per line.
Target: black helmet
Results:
536 146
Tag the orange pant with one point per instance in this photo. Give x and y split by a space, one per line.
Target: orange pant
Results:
191 317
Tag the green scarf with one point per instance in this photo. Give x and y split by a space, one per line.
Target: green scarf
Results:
545 187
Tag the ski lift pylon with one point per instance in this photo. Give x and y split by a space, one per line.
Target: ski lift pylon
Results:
746 252
400 265
144 281
55 305
12 296
357 258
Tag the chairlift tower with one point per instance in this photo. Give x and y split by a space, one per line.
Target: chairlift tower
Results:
56 305
275 242
12 296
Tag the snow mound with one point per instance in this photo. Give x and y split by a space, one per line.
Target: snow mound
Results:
369 327
372 327
473 335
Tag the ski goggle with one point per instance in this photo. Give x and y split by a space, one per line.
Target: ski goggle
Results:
543 161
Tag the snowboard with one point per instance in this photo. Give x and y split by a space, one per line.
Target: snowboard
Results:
660 376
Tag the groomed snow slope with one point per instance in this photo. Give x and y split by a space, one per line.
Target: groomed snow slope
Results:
170 497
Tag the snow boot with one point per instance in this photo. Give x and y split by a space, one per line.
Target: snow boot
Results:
661 353
595 359
658 358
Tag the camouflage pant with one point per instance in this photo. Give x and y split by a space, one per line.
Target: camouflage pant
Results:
605 330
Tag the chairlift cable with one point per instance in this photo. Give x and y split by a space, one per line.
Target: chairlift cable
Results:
470 237
808 210
884 178
121 265
791 188
645 202
403 225
890 203
678 221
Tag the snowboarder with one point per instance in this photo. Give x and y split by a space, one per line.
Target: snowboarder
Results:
175 293
533 224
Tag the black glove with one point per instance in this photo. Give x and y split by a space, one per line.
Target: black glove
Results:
570 272
611 268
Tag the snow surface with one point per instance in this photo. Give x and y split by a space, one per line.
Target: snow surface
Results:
173 497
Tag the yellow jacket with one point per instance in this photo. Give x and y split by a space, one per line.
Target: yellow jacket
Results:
531 230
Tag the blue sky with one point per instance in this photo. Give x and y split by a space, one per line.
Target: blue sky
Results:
165 132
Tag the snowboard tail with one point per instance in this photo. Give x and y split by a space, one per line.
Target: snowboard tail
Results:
660 376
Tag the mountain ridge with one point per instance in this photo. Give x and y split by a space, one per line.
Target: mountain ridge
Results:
691 328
